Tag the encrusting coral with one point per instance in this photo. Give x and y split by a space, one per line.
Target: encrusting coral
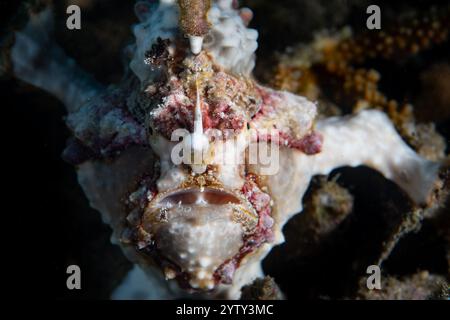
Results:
337 61
420 286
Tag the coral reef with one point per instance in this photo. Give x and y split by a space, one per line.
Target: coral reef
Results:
336 62
435 82
324 70
420 286
262 289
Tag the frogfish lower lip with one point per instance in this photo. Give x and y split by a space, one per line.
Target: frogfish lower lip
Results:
198 196
197 230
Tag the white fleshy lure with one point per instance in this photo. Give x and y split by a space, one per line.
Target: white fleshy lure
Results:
197 142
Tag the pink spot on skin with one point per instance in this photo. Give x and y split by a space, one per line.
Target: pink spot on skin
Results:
262 233
269 97
246 15
310 144
142 8
226 272
267 221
